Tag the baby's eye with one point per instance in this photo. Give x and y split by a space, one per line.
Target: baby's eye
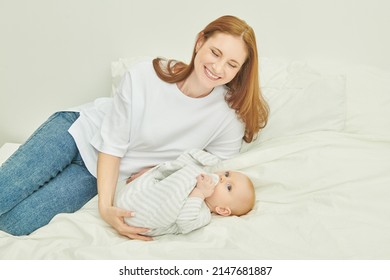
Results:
229 187
227 174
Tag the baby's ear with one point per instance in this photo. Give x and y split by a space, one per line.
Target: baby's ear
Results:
223 211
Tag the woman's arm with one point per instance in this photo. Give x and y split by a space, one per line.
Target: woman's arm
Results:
107 176
229 140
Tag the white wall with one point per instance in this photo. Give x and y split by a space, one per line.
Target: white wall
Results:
55 54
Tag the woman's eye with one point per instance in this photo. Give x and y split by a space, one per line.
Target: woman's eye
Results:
214 52
232 65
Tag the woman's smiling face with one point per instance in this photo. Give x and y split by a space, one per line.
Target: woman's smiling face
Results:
219 59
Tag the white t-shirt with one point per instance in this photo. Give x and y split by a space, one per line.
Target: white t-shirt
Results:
149 121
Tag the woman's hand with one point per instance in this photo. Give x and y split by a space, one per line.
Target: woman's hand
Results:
116 218
139 173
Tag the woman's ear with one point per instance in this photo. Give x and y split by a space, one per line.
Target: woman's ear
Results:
223 211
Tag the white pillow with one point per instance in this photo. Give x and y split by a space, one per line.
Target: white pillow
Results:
368 93
301 100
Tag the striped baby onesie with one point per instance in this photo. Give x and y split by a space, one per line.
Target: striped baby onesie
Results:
160 196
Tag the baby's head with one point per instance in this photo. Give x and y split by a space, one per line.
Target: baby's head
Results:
233 195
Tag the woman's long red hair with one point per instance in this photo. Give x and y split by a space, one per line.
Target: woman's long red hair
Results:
244 94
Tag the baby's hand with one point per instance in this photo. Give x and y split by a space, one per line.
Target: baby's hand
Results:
204 186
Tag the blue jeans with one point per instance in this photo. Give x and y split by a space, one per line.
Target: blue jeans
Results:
44 177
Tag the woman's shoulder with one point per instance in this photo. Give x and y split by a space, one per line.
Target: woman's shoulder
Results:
141 64
142 71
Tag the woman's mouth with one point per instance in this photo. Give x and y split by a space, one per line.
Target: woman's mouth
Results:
210 75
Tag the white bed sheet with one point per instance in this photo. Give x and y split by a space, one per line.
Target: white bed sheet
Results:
323 186
321 195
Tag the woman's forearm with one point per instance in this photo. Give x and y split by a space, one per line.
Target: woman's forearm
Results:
107 177
107 173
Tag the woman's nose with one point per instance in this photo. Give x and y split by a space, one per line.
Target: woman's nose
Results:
217 67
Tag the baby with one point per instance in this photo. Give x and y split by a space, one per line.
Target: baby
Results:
179 196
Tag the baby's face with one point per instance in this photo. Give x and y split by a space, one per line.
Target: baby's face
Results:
232 186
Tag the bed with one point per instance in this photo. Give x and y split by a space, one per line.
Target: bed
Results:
321 169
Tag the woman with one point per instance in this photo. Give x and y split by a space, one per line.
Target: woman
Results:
161 109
